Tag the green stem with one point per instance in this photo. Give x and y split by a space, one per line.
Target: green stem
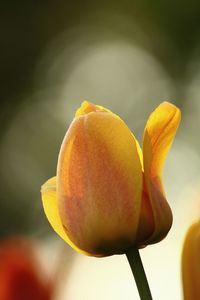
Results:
135 263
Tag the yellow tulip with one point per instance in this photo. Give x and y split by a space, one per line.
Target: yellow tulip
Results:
107 195
191 263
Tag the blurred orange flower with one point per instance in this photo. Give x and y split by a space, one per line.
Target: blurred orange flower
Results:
191 263
21 277
108 194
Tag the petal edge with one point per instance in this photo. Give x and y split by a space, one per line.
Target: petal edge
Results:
49 200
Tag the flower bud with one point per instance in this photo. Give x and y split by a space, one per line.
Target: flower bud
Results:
107 195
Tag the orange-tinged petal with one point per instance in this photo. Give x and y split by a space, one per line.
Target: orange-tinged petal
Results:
191 263
49 200
87 107
158 137
99 182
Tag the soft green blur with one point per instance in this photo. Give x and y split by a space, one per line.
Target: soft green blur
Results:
125 55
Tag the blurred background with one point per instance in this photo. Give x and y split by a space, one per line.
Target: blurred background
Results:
127 56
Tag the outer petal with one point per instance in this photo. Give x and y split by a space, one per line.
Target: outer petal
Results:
191 263
87 107
49 200
99 182
158 136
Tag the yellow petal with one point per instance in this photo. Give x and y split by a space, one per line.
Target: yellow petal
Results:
99 182
87 107
49 200
191 263
158 137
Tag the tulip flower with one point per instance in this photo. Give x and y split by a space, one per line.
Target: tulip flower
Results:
191 263
21 278
108 195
